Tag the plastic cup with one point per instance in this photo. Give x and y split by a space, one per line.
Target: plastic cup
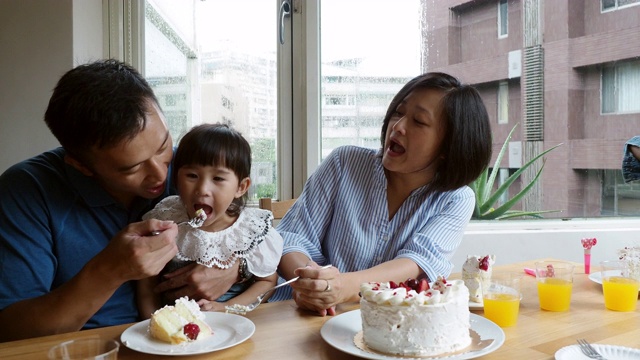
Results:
619 286
85 349
555 282
501 298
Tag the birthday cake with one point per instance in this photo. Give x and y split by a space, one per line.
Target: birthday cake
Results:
415 318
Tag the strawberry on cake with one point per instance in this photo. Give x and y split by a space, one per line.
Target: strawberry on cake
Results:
415 318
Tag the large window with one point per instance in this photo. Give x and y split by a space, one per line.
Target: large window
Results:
327 79
206 66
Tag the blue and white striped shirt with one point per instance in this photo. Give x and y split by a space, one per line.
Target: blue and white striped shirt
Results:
342 218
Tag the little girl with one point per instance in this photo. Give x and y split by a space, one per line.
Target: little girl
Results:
211 170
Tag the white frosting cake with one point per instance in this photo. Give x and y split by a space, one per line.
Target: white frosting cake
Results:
476 273
397 319
180 323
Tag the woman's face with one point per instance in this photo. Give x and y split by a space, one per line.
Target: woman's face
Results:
414 135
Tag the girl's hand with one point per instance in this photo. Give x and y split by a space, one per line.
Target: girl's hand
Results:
318 289
207 305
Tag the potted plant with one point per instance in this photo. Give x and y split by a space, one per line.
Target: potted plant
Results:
485 199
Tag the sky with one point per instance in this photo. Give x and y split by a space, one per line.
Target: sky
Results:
386 32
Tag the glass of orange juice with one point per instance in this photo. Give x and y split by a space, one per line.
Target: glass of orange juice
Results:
555 282
620 288
501 298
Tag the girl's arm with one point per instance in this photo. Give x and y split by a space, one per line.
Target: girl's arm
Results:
260 285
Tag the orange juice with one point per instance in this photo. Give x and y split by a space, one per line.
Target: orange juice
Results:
620 294
502 309
554 294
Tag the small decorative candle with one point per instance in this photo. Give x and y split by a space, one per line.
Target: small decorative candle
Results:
587 244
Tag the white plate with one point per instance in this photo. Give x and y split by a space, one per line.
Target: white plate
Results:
228 330
610 352
340 331
596 277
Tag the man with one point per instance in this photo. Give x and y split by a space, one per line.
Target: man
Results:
70 248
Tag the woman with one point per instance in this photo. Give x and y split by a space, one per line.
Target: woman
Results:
392 214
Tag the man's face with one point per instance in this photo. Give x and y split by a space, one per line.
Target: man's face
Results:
136 167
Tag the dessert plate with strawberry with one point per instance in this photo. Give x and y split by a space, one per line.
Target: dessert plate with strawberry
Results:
228 330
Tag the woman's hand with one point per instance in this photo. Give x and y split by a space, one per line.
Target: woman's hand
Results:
318 289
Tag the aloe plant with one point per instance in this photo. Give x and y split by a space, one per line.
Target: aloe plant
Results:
483 185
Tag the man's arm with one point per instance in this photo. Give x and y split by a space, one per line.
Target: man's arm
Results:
129 256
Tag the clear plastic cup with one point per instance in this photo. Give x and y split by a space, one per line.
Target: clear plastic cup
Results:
555 284
85 349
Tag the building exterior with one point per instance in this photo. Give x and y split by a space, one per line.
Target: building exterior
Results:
565 71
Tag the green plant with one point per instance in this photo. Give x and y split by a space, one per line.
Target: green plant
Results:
483 185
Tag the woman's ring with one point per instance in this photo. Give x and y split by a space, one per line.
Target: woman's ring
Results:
328 288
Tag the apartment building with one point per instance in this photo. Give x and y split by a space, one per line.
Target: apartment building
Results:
567 72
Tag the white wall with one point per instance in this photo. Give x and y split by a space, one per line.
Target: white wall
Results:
39 43
518 241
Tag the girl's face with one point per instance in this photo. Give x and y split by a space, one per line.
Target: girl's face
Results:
414 135
212 189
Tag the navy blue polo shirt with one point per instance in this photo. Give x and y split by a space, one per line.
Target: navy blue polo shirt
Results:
53 220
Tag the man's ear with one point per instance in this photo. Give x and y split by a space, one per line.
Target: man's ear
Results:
77 165
243 187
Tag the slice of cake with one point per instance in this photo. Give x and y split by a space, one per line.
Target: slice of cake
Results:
476 273
179 323
415 318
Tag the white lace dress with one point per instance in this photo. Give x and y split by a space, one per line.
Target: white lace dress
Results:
251 237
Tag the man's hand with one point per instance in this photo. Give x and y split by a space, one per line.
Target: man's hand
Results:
198 282
135 254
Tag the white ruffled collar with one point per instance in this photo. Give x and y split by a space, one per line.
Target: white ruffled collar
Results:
222 248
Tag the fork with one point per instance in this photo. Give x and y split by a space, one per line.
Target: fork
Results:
243 309
588 350
195 223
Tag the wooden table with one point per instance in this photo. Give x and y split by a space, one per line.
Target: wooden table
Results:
284 332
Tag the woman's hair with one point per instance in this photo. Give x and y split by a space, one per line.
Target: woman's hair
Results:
216 145
466 146
98 104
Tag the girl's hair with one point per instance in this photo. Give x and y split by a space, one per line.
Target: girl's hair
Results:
216 145
466 146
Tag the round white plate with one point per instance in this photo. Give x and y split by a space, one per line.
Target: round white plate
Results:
611 352
596 277
228 330
340 331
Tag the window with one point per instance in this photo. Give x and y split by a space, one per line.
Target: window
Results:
621 88
359 81
503 19
608 5
341 81
503 102
224 73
